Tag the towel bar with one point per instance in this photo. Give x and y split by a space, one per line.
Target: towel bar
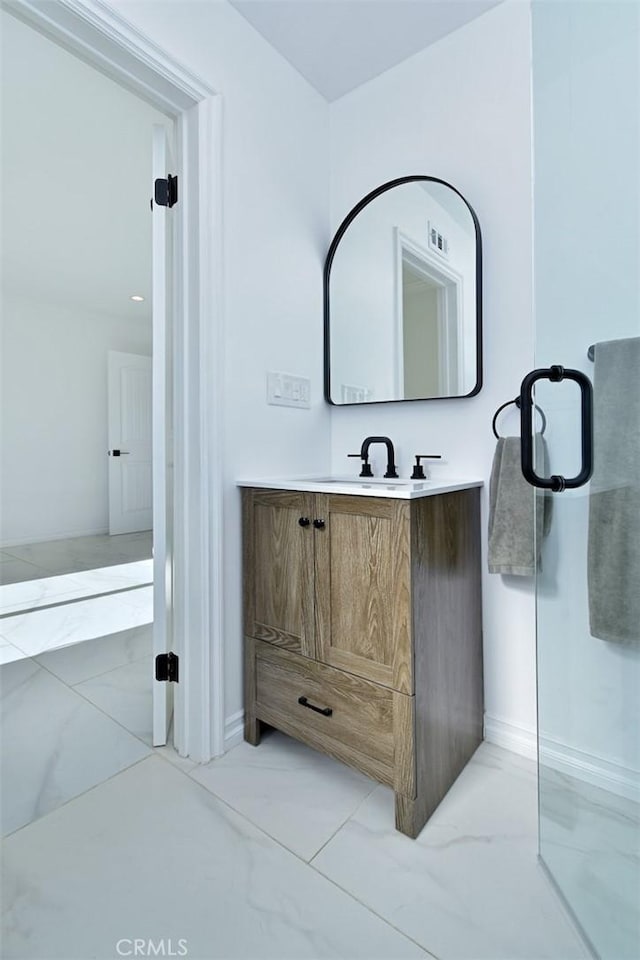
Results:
517 403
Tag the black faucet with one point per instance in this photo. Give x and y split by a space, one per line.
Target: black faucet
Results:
391 457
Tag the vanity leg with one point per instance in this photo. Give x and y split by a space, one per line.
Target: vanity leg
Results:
252 726
252 730
410 815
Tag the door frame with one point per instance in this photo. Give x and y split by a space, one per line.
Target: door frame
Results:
106 41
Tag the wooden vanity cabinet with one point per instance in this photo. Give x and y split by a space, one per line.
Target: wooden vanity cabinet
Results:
363 633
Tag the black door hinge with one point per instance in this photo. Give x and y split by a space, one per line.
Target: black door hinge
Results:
167 667
166 191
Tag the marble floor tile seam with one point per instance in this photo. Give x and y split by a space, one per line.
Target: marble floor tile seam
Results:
96 786
38 571
57 555
83 542
9 653
30 656
94 676
567 909
87 660
398 929
9 557
429 953
79 693
43 571
102 673
309 863
374 786
8 552
192 775
342 900
75 599
243 816
568 918
262 828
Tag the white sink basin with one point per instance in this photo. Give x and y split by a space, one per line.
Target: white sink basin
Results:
370 482
363 486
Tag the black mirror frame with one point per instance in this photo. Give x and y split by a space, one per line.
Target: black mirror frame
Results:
327 272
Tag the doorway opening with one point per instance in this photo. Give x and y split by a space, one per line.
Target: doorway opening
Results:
172 99
429 345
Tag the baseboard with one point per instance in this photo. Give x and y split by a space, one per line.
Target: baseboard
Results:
590 768
623 781
65 535
233 730
593 769
511 736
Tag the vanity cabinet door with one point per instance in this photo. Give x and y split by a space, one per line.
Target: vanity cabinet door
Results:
279 566
363 588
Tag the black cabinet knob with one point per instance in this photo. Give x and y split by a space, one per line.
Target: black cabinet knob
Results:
304 521
319 524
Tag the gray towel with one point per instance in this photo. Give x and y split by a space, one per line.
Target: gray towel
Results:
614 502
519 514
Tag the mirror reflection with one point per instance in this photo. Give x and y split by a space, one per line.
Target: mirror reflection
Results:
402 297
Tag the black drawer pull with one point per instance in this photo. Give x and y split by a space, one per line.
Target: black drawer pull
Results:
304 521
319 524
325 711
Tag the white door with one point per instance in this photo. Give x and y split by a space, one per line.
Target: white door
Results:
162 431
129 430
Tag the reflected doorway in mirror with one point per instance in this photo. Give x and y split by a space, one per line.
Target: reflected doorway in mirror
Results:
429 315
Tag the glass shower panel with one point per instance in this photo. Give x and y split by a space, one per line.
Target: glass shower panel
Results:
586 103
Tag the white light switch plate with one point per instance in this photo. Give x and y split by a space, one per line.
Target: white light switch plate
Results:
287 390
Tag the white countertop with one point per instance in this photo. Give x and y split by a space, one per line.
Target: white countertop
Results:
400 489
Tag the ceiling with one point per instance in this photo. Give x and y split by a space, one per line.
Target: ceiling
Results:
76 183
76 146
339 44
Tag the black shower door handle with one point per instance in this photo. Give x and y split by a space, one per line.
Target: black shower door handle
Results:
556 374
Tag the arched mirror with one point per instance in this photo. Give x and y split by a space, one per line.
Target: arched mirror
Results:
403 297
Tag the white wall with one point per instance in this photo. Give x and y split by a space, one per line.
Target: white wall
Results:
276 233
460 110
53 479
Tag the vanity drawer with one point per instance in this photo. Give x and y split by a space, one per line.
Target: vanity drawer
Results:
360 727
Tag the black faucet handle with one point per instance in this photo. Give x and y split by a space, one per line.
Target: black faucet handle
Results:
418 469
366 466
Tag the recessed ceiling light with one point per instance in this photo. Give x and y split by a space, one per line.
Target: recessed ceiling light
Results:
136 298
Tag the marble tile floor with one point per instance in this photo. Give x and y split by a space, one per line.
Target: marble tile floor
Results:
48 591
56 743
34 561
268 852
60 625
57 593
590 840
